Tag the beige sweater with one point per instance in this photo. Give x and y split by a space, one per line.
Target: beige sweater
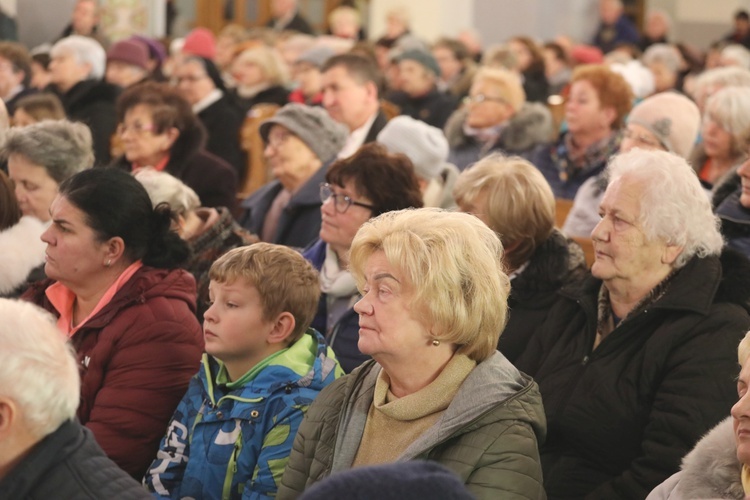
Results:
394 423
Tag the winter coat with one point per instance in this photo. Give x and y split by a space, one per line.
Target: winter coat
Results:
69 464
223 121
299 223
297 23
735 223
234 443
623 31
433 108
536 86
345 333
23 253
93 103
531 126
623 415
136 355
556 262
224 235
272 95
212 179
488 435
711 470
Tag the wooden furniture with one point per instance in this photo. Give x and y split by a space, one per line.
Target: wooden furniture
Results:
256 174
562 208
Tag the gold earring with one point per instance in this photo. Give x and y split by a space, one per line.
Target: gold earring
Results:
436 342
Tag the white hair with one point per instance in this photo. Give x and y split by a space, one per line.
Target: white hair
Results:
86 51
728 109
165 188
674 206
736 55
38 368
663 53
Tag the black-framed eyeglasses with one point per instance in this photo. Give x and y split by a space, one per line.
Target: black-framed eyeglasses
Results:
341 202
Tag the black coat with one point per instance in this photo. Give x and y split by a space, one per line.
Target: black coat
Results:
555 263
212 179
93 103
69 464
434 108
223 121
297 23
272 95
299 223
621 417
11 103
377 125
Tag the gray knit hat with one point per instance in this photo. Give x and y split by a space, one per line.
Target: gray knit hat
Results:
424 58
426 146
324 136
672 118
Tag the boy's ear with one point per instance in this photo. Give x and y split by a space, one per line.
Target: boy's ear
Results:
282 328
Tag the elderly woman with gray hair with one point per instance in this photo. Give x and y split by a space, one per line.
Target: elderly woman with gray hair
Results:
637 361
76 72
40 157
210 232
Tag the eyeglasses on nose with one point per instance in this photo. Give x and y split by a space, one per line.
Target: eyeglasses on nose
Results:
341 202
137 128
480 98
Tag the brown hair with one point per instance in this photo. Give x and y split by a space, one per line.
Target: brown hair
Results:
19 57
611 87
10 212
286 281
360 68
387 180
537 56
42 106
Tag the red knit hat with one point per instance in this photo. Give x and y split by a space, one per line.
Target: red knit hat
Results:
200 42
130 52
587 54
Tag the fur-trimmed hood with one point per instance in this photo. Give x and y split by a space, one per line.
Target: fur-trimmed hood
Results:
22 251
532 125
710 470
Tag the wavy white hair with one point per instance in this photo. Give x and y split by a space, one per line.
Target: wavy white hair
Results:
674 206
85 50
38 368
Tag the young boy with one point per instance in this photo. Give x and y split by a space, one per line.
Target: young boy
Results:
233 431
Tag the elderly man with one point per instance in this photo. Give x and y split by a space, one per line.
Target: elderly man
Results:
351 89
614 27
76 70
199 81
285 16
15 74
419 96
638 361
44 452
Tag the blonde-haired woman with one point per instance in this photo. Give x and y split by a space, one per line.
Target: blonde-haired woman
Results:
434 303
512 197
261 77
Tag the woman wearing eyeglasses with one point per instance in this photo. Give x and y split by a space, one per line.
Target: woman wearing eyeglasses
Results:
496 117
158 129
357 188
301 141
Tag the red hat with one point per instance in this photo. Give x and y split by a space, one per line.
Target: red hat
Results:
587 54
130 52
200 42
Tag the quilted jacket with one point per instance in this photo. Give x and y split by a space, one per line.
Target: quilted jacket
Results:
488 435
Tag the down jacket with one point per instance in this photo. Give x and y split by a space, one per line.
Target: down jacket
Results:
711 470
234 442
528 128
136 356
488 435
623 415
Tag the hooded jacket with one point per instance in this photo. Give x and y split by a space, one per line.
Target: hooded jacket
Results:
532 125
136 356
621 416
23 252
489 434
233 442
711 470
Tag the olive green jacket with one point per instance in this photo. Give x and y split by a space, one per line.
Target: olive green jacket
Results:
489 434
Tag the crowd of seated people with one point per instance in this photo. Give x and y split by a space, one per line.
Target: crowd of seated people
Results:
291 264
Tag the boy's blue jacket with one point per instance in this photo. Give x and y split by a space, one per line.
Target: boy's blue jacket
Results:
234 443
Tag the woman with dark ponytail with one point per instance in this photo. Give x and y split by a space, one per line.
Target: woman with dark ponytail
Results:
129 312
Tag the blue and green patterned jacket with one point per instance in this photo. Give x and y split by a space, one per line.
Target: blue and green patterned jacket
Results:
232 440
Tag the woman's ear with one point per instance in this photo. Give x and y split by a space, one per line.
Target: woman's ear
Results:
172 135
114 248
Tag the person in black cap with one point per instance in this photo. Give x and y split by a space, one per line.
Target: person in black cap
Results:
419 96
200 83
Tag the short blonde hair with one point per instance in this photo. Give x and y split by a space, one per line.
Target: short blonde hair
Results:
743 351
511 88
285 281
269 61
453 267
344 13
165 188
520 205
